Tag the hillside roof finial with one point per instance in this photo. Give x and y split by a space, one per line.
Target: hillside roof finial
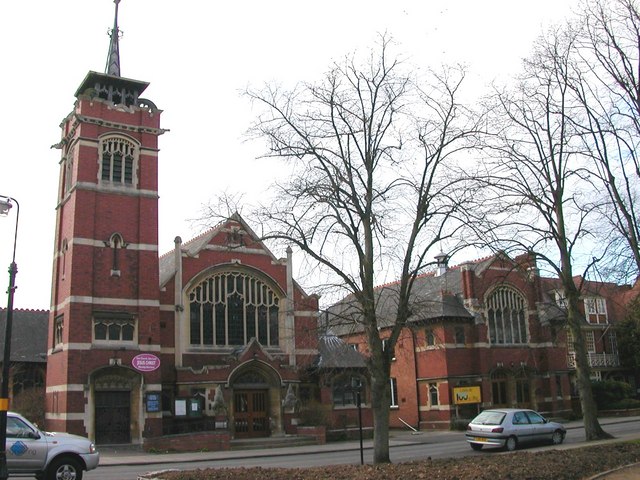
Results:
113 58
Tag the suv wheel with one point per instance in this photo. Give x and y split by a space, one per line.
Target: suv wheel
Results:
64 468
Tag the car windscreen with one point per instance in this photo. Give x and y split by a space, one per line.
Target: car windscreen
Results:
489 417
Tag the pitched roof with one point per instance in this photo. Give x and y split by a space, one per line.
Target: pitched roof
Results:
29 331
333 352
432 298
193 247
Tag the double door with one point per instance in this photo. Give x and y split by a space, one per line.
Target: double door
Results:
250 416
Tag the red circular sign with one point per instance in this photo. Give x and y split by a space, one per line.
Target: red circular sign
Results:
145 362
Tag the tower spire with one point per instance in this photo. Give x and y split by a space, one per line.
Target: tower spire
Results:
113 58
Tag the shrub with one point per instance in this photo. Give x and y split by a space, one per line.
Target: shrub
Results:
625 404
30 403
459 424
609 392
312 413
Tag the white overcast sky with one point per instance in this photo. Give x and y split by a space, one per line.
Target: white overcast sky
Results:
197 55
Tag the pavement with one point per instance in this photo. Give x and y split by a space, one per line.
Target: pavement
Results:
114 455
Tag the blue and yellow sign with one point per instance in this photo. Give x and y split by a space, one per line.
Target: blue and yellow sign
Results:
463 395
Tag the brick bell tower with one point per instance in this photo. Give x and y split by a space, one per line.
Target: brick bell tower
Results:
103 371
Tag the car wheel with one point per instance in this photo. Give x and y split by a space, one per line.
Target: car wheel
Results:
557 438
64 468
511 444
476 446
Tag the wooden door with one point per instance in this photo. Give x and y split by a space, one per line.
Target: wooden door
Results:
250 417
113 417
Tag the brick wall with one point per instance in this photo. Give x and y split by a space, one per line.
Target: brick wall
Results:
189 442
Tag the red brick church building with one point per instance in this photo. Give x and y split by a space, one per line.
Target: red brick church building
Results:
139 344
142 344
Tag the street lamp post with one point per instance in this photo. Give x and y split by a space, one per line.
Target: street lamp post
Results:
6 203
356 385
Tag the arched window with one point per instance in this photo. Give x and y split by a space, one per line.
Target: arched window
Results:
65 247
118 161
116 243
230 308
68 173
109 327
506 316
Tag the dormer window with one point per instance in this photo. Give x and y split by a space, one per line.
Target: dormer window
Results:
118 161
595 309
561 300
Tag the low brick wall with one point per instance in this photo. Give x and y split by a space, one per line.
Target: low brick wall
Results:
319 433
630 412
352 433
189 442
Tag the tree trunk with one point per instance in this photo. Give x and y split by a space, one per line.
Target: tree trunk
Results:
380 408
592 428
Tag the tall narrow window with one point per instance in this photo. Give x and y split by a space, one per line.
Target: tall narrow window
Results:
612 343
506 316
499 388
570 342
385 347
116 243
118 161
558 387
523 395
68 173
590 341
433 394
458 333
430 337
58 330
561 300
393 384
63 259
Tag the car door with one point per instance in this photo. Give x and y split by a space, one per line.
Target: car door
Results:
26 447
543 430
522 428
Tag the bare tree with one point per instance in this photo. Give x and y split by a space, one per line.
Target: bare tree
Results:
537 171
372 186
606 83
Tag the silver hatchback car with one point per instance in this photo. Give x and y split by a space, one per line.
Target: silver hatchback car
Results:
511 427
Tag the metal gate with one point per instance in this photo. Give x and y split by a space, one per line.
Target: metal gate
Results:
250 418
113 417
